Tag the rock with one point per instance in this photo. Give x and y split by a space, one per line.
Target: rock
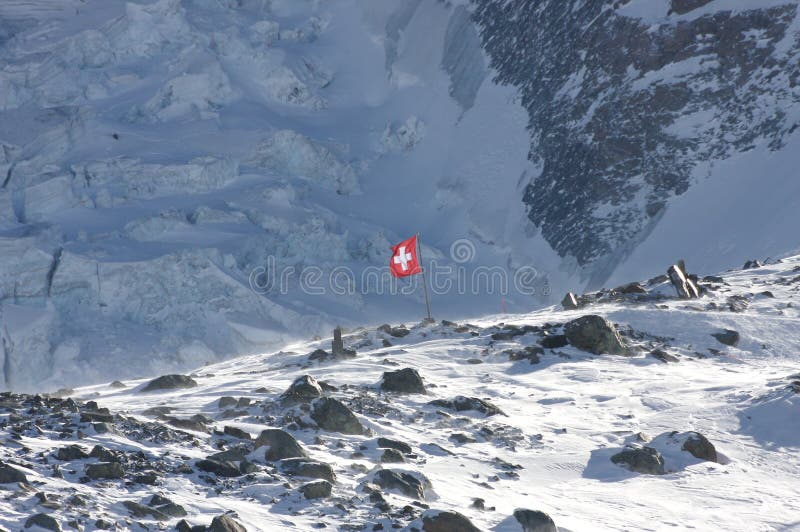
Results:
225 523
534 521
640 460
187 424
105 470
317 490
713 279
728 337
236 433
595 334
226 402
663 356
698 446
554 341
406 380
140 510
570 302
43 521
333 415
280 445
460 437
221 469
684 286
170 382
751 264
103 454
71 452
102 524
446 521
461 403
306 467
386 443
158 411
530 353
738 303
337 346
406 483
397 332
303 389
117 385
630 288
392 456
148 479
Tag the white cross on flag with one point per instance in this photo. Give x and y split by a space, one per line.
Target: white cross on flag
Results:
404 261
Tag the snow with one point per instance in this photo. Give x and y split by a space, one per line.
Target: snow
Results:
565 417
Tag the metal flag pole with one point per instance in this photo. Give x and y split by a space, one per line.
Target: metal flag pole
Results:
424 280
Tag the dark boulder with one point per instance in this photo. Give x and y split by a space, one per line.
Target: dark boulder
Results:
306 467
317 490
105 470
280 445
406 483
397 332
640 460
226 402
663 356
386 443
170 382
570 302
392 456
752 264
595 334
71 452
140 510
333 415
406 380
554 341
684 285
534 521
727 337
303 389
698 446
530 353
45 521
221 469
235 432
461 403
225 523
446 521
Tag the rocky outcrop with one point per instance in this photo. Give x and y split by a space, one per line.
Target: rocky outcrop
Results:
406 380
640 460
170 382
280 444
333 415
595 334
618 94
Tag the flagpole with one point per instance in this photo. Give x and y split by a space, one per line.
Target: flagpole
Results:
424 280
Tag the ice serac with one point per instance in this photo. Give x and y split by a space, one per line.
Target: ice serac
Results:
630 103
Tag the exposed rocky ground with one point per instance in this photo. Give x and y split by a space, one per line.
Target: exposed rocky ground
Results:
622 413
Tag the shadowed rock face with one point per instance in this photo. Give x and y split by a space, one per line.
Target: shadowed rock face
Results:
622 110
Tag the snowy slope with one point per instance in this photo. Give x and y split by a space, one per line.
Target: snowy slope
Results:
157 155
549 450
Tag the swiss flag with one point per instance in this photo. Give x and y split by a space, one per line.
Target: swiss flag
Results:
404 261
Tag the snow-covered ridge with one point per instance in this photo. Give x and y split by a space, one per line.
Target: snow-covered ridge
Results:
407 426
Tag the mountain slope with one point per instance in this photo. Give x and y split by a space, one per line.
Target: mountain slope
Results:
563 413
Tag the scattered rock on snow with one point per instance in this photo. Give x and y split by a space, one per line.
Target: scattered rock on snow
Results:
554 341
392 456
663 356
728 337
317 490
386 443
570 302
236 433
397 332
404 482
219 468
105 470
280 445
640 460
461 403
534 521
226 402
170 382
71 452
446 521
225 523
333 415
698 446
306 467
406 380
43 521
751 264
595 334
305 388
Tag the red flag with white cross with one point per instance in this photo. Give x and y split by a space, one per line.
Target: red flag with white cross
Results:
405 259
